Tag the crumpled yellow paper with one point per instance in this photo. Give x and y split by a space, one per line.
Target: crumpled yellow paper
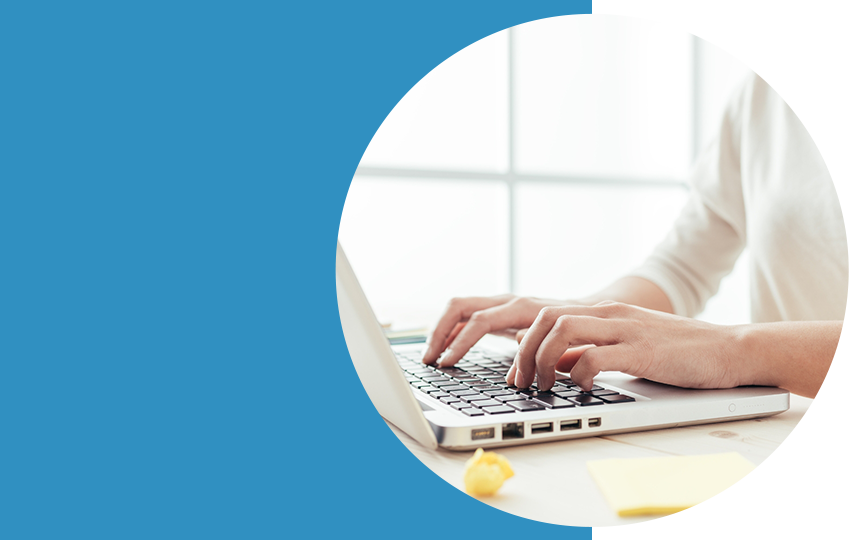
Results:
485 473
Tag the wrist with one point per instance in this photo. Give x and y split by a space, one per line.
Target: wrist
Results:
749 359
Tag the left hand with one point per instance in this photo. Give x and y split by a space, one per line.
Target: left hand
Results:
618 337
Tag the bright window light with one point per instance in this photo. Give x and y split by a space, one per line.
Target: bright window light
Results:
456 117
574 240
544 160
416 243
602 97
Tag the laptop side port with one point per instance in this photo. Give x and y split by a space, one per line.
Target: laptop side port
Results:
594 422
482 433
542 427
513 430
568 425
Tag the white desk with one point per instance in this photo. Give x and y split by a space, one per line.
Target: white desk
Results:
551 483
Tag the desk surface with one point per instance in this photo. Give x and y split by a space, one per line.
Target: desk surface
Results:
571 496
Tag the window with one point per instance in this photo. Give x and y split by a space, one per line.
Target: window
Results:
547 160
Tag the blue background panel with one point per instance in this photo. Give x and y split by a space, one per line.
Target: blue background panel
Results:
172 177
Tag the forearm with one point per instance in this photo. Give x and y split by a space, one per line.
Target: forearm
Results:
635 291
791 355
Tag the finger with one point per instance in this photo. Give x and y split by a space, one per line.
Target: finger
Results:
531 340
570 331
509 377
455 331
597 359
524 361
567 331
512 371
458 310
565 364
508 315
569 359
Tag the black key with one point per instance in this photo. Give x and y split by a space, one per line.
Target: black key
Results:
527 405
449 399
586 400
510 397
533 393
618 398
465 392
472 412
475 397
553 402
451 387
493 366
499 409
568 393
482 361
497 392
486 403
499 370
596 387
603 392
498 357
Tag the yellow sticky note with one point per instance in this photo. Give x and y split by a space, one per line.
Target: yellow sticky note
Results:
665 485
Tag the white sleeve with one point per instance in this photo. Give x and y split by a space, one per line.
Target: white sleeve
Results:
710 233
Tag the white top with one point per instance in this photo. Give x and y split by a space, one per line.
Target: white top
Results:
762 185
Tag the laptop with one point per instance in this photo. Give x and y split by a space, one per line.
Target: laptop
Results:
470 406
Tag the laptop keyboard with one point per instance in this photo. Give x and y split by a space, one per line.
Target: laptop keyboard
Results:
476 386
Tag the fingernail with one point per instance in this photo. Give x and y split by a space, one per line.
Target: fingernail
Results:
446 354
518 380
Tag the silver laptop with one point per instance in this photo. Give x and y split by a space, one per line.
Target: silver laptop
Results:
470 406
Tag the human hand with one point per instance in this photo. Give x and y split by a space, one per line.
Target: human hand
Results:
618 337
467 320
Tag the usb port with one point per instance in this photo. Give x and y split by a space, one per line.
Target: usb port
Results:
543 427
568 425
594 422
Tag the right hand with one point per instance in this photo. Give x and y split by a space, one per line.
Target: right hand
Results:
467 320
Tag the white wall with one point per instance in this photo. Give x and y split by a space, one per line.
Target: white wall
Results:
549 161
